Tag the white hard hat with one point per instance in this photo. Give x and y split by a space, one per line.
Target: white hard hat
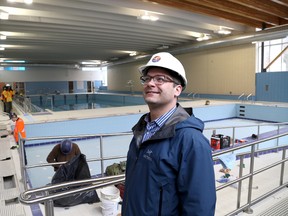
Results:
168 61
8 85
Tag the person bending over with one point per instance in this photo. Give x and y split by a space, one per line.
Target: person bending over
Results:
62 152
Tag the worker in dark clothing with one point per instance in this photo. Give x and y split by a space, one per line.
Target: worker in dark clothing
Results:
63 151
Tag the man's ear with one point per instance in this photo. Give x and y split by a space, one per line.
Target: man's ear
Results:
178 90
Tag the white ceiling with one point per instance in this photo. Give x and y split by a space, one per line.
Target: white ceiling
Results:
69 32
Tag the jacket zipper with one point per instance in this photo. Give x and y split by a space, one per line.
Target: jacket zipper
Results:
160 201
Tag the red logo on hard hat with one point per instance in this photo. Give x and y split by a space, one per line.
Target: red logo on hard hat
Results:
156 59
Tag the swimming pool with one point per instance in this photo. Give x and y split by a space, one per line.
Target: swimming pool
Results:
65 102
118 146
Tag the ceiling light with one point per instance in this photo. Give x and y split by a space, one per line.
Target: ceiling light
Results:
2 48
133 53
148 16
223 31
4 15
141 56
14 61
28 1
94 62
3 37
25 1
203 37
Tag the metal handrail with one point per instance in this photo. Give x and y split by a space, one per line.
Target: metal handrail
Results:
252 125
241 96
28 197
25 104
247 98
189 93
45 193
245 126
108 135
250 175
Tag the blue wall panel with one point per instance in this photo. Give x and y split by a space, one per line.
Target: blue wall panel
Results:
264 113
272 86
33 88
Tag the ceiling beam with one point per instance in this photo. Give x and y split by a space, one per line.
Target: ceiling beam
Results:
282 2
269 7
242 10
230 10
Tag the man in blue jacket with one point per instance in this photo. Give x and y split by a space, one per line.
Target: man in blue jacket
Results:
169 167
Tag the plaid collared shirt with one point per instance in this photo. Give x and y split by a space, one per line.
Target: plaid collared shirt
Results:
154 126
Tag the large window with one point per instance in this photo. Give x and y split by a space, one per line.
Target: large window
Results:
273 49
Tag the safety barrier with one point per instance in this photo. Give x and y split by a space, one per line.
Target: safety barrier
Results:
41 194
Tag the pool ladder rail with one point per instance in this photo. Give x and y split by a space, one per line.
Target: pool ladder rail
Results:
247 97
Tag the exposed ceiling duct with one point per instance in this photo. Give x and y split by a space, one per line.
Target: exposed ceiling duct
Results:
264 35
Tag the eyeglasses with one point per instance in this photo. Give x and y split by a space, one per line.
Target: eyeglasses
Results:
158 80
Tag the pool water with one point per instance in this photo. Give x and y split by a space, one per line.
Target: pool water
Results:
65 102
77 106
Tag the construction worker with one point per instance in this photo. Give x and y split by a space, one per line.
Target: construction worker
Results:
7 96
3 98
19 128
63 151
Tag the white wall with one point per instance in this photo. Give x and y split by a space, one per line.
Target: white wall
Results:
37 74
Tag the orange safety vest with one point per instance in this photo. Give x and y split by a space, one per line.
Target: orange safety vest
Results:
19 128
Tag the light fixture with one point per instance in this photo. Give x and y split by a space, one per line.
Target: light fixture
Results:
2 48
93 62
223 31
141 56
134 53
28 1
203 37
14 61
3 37
4 15
148 16
25 1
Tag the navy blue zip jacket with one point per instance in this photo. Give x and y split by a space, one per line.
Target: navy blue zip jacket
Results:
172 172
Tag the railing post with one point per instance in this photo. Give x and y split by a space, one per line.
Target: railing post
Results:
248 210
240 182
22 161
233 137
282 166
49 206
101 156
278 131
258 133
